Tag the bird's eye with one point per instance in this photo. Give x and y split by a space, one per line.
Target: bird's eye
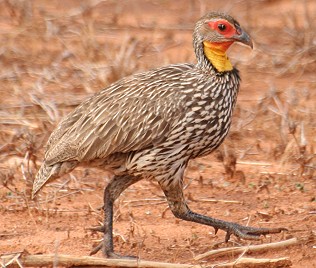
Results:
221 27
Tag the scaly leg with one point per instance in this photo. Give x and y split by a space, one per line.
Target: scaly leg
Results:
111 193
180 209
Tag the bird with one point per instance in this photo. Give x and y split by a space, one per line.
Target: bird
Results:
151 124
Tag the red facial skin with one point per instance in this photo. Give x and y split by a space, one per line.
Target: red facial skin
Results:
228 32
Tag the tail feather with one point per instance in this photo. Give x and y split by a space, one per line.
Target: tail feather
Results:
47 173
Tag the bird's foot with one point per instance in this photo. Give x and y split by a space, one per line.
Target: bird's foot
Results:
105 248
246 232
109 253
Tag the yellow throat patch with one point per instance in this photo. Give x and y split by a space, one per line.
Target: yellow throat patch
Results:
217 57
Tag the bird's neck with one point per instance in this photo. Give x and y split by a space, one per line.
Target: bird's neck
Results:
216 54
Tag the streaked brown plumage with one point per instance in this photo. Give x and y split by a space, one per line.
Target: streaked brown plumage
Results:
151 124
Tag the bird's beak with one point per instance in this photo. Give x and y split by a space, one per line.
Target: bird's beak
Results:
243 37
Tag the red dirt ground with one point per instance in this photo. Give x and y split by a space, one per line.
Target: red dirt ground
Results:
53 54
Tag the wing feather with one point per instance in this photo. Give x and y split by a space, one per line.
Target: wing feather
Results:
131 114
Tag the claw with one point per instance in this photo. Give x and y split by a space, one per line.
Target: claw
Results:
216 230
227 236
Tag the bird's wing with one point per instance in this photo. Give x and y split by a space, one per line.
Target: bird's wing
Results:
134 113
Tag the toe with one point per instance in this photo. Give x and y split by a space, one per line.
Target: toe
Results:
99 228
96 249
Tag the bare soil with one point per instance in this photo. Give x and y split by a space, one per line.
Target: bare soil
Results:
54 54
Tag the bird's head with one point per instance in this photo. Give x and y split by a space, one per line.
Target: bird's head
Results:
214 33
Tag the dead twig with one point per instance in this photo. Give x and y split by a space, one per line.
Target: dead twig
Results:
75 261
14 260
252 163
257 263
251 248
220 201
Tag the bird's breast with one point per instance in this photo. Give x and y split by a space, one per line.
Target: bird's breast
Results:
208 118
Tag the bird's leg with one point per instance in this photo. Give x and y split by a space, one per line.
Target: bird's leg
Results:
111 193
180 209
